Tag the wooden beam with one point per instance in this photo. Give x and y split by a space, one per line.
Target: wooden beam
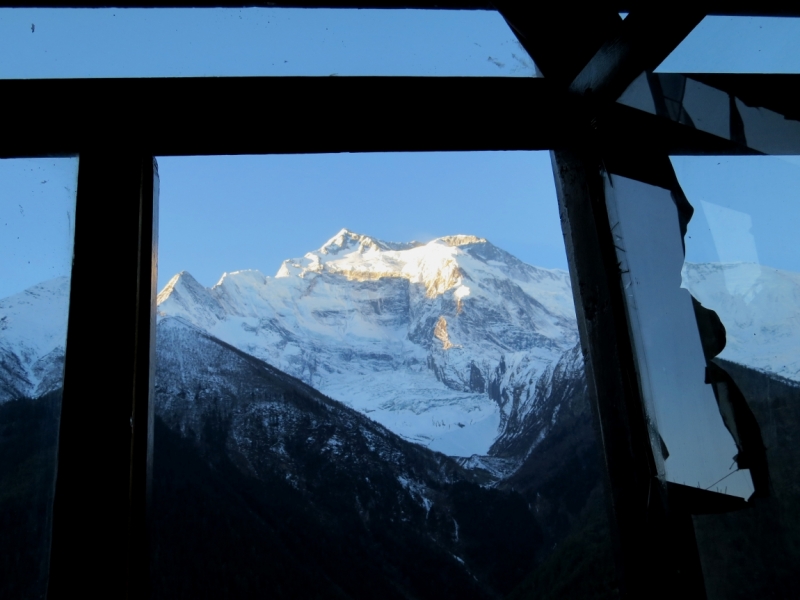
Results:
644 39
99 544
253 115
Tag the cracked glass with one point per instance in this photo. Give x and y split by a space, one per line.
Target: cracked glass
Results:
742 262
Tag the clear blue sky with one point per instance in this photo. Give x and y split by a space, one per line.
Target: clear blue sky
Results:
42 43
738 45
226 213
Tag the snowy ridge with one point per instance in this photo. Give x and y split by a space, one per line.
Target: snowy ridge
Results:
421 337
33 333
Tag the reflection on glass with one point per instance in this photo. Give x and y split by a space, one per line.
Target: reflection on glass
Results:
690 440
112 42
377 413
697 104
742 261
37 209
738 45
741 254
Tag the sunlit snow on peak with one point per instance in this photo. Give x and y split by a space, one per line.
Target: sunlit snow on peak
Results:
409 333
461 240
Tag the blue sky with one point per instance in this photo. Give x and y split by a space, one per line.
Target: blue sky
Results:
37 220
738 45
226 213
42 43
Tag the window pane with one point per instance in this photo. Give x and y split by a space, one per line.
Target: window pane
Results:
37 209
738 45
74 43
394 409
688 435
742 262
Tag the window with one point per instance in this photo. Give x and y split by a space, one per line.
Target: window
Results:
394 389
598 140
37 211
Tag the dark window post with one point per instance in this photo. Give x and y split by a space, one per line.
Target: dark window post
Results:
655 543
99 544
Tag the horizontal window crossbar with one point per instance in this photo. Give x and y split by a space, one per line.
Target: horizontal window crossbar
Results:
285 115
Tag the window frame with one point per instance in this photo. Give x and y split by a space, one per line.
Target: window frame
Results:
588 57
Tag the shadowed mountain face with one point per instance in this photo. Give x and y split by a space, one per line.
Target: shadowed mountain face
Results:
754 553
317 499
28 441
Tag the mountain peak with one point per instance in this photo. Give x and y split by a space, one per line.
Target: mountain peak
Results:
186 297
184 279
347 240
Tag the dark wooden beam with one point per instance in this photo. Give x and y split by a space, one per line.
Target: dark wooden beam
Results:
655 544
745 8
639 136
285 115
288 115
561 37
641 43
99 544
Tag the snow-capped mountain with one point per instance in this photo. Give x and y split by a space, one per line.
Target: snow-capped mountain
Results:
33 331
760 308
430 340
451 344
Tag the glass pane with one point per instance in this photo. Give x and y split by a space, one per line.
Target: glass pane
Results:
74 43
742 262
394 409
37 210
738 45
690 442
693 101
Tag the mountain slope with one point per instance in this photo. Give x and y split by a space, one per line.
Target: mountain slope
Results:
340 500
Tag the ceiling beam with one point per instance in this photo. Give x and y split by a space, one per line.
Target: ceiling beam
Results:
285 115
644 39
561 37
263 115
